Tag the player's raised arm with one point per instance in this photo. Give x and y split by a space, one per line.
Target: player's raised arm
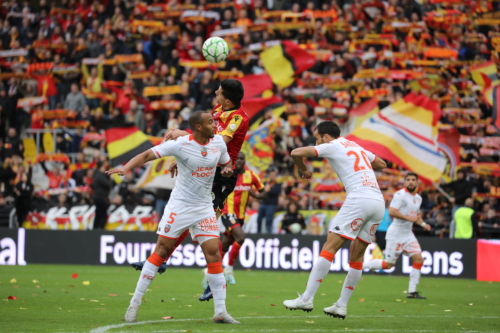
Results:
137 161
298 155
378 163
174 134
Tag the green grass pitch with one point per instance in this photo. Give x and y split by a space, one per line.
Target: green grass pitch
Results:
50 300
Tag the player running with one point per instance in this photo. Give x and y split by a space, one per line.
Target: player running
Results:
231 122
404 208
358 218
189 208
233 216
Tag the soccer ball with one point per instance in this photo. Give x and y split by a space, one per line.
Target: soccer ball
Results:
295 228
215 49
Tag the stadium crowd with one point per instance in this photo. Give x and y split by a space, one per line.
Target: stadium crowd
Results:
78 67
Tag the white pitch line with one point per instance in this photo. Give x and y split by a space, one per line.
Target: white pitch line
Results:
104 329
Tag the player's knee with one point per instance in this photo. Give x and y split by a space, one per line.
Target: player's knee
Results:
389 263
417 259
240 239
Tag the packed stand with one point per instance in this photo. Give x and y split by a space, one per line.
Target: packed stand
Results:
80 67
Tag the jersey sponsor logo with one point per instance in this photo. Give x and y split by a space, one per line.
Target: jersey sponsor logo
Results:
243 188
214 150
368 182
356 224
209 224
373 229
203 172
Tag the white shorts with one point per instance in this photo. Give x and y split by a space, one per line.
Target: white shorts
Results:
358 218
408 245
177 218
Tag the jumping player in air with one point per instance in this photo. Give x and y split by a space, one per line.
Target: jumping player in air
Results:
189 208
231 122
233 215
404 208
357 220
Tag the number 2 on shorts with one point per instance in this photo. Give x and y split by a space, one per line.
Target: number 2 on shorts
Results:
358 167
171 218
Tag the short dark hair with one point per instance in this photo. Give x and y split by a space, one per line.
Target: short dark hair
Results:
328 127
411 174
233 90
195 118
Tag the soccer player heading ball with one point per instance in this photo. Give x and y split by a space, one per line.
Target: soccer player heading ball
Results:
190 206
404 208
358 218
231 122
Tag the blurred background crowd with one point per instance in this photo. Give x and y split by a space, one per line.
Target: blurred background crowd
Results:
71 69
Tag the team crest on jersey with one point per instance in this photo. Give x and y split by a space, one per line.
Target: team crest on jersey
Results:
204 152
167 228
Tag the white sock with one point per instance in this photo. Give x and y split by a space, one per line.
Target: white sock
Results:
217 283
373 264
147 275
414 279
318 273
350 283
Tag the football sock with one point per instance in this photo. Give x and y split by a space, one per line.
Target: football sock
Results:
222 253
146 277
318 273
235 252
375 264
217 283
350 282
414 277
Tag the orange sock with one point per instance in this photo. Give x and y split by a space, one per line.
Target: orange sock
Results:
215 268
417 265
156 259
327 255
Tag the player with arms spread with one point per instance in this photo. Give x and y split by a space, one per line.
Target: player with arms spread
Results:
358 218
404 208
231 122
233 215
189 208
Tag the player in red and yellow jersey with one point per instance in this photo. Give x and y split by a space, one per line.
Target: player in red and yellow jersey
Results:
233 215
232 123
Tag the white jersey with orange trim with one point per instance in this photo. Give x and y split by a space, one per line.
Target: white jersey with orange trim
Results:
352 164
407 204
196 167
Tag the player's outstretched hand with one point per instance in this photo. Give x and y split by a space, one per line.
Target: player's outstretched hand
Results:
172 135
121 171
226 172
427 227
307 175
173 169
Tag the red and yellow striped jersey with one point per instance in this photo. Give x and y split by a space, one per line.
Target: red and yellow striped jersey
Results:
236 202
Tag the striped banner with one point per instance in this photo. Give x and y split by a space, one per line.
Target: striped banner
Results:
405 133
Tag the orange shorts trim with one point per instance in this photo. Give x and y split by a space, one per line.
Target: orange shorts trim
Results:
168 237
363 241
343 236
206 236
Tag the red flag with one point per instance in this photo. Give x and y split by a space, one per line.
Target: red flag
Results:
449 146
255 85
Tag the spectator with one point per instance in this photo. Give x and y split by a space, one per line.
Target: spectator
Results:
465 220
462 189
12 145
162 197
75 100
268 205
101 185
489 227
24 192
136 116
291 217
93 82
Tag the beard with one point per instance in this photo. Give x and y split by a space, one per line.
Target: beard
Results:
411 188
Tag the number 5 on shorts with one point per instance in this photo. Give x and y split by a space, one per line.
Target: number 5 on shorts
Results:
171 218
